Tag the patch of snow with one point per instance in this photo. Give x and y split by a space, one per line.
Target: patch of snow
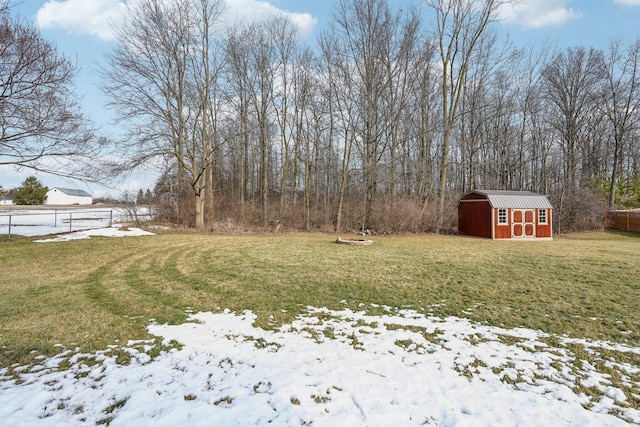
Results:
325 368
113 231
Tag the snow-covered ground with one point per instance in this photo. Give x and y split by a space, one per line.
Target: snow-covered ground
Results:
327 368
42 222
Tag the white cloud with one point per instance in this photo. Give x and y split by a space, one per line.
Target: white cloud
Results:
628 2
256 10
90 17
541 13
94 17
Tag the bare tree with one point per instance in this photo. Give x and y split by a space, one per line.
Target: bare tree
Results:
424 119
284 35
531 138
239 96
340 93
570 81
307 121
619 101
399 75
373 46
460 25
253 53
207 61
41 126
161 79
362 27
486 114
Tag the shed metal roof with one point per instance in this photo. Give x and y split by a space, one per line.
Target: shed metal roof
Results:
515 199
72 192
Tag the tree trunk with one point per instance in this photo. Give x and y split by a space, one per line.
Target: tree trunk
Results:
346 157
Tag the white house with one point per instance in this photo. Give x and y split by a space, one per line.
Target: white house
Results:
6 200
68 196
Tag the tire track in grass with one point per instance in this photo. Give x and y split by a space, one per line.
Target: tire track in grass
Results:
210 277
97 290
131 286
175 269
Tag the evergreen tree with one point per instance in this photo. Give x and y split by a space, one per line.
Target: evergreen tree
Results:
3 192
30 192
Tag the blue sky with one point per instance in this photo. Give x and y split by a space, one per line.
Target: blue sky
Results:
81 31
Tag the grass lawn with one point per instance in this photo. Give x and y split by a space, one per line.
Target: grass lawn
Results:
104 291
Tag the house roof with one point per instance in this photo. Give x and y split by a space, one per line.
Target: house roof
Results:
515 199
72 192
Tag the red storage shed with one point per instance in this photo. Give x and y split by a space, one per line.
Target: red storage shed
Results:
497 214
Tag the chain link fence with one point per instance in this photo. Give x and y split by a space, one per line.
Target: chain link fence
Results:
53 221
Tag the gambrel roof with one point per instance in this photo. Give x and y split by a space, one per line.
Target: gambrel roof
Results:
502 199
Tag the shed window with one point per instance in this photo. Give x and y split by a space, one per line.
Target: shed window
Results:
542 216
502 216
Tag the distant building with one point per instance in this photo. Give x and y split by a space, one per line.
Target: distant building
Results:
68 196
6 200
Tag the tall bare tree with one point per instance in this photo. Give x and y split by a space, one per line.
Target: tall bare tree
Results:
618 99
41 125
207 61
400 75
339 91
261 63
307 122
373 45
238 96
425 109
485 107
284 36
570 81
364 26
533 145
460 25
160 79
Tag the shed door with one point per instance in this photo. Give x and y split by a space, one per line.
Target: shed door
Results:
523 223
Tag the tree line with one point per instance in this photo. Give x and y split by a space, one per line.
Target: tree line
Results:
380 124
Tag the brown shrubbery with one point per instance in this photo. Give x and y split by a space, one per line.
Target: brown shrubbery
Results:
403 215
583 210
